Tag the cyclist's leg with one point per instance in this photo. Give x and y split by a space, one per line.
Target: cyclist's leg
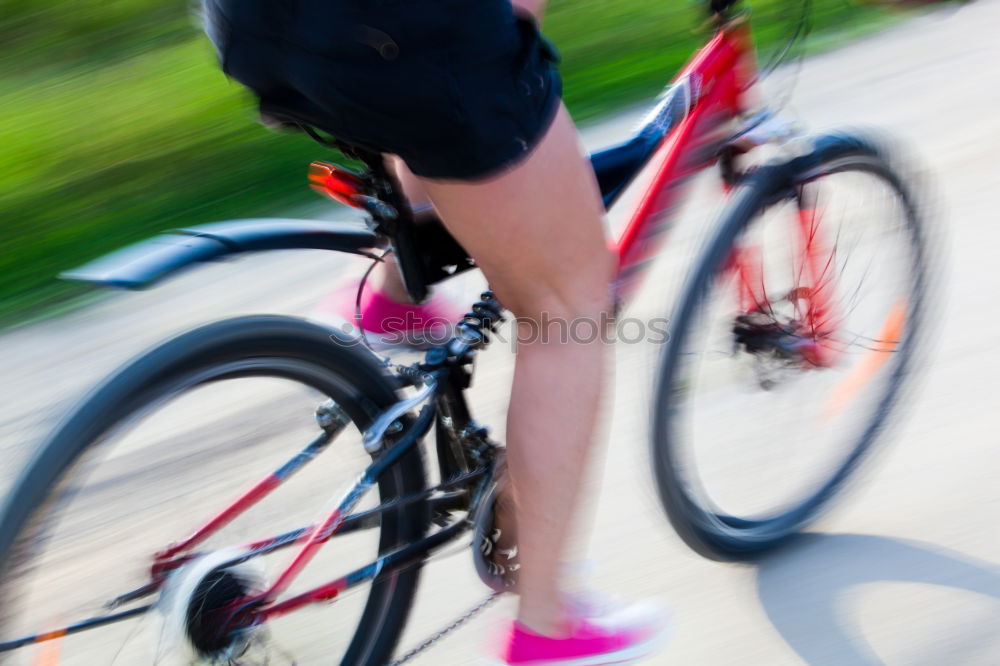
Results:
536 231
386 276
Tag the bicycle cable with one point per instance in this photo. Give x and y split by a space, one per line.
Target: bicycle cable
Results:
803 27
357 307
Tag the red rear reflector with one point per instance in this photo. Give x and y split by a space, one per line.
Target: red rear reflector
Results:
335 183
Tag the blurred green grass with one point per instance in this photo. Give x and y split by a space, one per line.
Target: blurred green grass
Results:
116 122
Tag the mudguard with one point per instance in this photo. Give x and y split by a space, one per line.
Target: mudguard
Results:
144 264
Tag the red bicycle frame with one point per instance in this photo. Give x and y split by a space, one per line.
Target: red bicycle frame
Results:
694 115
685 133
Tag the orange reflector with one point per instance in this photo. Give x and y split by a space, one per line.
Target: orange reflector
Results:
336 183
48 648
888 338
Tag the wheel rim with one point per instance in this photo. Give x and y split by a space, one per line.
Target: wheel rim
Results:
190 451
739 485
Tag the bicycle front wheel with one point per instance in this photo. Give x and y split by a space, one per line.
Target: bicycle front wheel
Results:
166 445
789 346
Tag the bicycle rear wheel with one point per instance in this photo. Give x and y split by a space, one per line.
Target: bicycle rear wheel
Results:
167 444
789 346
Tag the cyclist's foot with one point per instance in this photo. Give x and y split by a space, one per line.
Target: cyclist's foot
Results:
387 323
624 635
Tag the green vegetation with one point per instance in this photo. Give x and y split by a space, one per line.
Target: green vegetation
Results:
116 123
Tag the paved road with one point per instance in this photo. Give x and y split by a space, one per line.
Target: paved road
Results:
903 572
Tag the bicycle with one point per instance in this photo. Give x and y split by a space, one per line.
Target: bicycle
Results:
750 327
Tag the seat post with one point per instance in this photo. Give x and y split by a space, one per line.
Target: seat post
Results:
400 227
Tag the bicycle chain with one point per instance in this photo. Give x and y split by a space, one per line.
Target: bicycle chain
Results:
437 636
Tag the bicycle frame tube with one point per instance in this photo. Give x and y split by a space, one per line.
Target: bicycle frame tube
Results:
683 133
443 377
266 606
311 538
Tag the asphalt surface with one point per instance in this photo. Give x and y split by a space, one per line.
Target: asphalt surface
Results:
903 571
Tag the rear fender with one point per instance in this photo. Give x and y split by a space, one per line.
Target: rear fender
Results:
144 264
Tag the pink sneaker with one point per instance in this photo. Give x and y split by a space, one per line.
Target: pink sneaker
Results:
387 323
623 636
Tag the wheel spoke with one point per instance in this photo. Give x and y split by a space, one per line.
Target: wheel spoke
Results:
751 443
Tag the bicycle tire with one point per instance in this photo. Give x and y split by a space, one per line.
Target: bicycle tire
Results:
329 356
723 536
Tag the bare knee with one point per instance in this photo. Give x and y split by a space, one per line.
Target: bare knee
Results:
562 293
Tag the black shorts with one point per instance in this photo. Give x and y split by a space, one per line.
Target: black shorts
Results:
458 88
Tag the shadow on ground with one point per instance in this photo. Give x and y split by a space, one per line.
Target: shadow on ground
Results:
804 591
